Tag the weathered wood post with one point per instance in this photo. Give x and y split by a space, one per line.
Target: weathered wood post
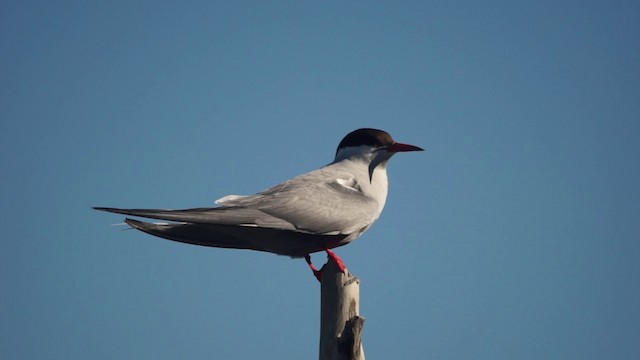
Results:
340 321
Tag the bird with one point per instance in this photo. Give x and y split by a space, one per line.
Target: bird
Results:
317 211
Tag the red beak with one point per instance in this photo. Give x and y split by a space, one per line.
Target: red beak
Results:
398 147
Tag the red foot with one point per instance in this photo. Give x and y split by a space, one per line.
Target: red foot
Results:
331 255
337 260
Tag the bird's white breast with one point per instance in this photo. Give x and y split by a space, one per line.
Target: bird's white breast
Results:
374 187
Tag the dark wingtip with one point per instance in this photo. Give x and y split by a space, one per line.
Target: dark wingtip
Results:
107 209
133 223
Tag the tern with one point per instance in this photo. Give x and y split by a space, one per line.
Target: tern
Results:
316 211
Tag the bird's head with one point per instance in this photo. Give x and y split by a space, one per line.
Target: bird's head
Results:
375 146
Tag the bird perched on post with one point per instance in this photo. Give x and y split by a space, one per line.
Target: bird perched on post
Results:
316 211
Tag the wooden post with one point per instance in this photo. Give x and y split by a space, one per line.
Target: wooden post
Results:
340 323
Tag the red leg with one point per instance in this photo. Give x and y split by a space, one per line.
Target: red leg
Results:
317 273
331 255
337 260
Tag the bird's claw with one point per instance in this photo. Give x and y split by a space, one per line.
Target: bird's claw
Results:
331 255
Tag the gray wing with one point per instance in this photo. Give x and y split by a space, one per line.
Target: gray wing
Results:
323 201
319 210
234 216
320 202
329 207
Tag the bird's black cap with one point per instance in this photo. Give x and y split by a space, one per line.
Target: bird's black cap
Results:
366 136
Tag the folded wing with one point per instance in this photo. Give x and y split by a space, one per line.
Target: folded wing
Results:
231 216
312 212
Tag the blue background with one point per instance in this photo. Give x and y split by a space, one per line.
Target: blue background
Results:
513 236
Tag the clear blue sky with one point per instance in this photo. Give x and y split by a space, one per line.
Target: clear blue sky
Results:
514 236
